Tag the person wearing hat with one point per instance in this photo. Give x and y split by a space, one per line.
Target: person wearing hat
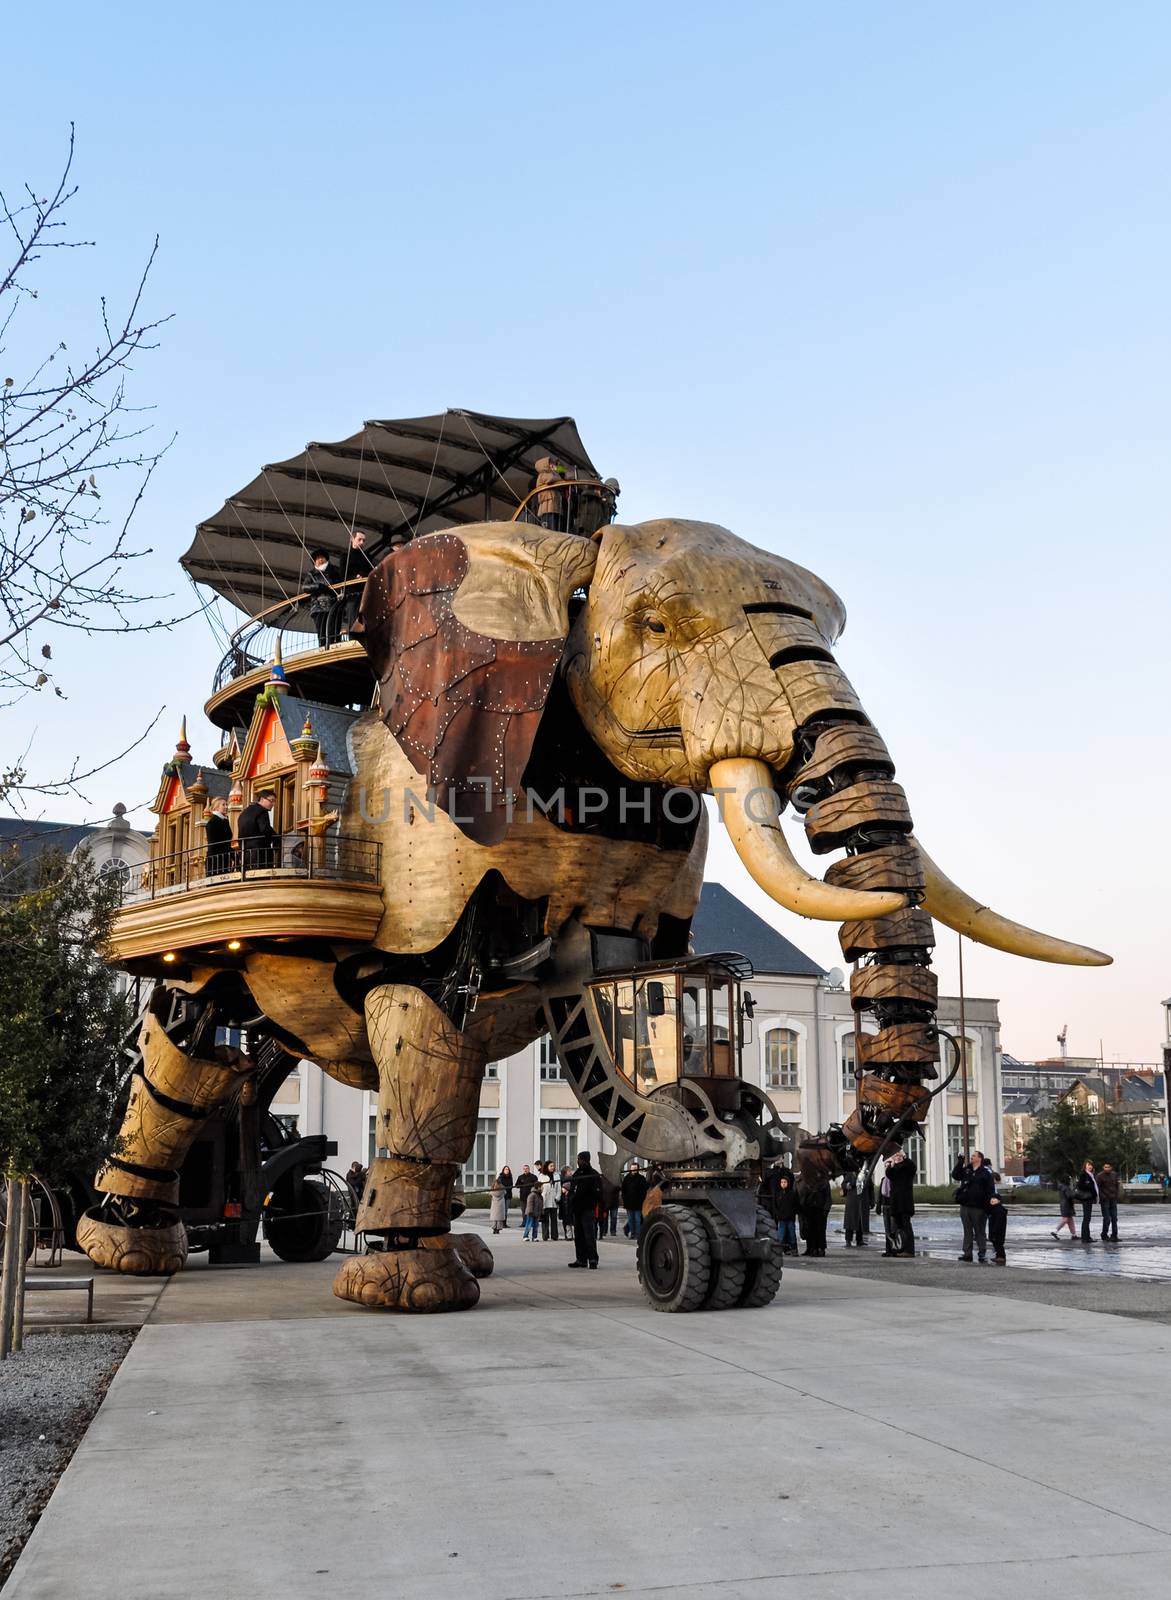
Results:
585 1196
553 501
323 597
260 846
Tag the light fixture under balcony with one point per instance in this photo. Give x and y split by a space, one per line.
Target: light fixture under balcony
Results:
234 944
170 956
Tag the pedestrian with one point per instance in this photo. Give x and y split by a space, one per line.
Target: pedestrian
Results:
526 1181
1108 1200
1065 1199
634 1192
865 1203
550 1200
785 1212
532 1212
219 838
974 1197
356 1179
504 1179
608 1216
997 1228
585 1199
814 1203
260 845
498 1206
898 1186
563 1208
1087 1193
358 565
852 1221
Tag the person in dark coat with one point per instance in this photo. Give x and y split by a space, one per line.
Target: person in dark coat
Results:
634 1192
563 1209
1065 1204
974 1197
357 565
785 1211
1087 1192
852 1221
259 845
585 1200
219 838
997 1226
898 1186
1108 1200
323 594
814 1201
528 1180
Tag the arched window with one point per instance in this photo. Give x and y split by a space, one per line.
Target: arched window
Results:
848 1058
781 1059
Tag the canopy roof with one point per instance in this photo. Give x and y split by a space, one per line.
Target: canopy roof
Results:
393 479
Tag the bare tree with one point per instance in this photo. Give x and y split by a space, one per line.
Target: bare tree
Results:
66 428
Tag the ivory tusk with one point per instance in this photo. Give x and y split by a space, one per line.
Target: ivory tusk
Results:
751 813
948 904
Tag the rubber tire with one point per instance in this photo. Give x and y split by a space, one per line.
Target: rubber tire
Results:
728 1277
763 1278
306 1238
678 1245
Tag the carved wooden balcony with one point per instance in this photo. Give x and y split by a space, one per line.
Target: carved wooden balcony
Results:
175 909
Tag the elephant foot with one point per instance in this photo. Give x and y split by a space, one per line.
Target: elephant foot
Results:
430 1278
145 1252
471 1250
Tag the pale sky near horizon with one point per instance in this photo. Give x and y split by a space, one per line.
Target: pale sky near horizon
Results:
882 288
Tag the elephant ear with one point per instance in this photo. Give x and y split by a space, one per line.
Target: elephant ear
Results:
465 632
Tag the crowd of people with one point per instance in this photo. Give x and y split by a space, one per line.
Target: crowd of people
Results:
580 1203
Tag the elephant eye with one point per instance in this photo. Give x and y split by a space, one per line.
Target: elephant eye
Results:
652 624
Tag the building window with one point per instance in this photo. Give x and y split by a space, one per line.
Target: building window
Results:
1094 1103
550 1066
481 1166
780 1059
492 1072
967 1067
287 1122
955 1141
372 1138
561 1140
848 1059
115 868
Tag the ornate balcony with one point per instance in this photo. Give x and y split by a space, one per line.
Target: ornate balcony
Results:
176 910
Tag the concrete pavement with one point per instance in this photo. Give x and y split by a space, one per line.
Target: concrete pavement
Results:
562 1440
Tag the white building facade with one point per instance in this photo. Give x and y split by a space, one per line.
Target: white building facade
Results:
800 1049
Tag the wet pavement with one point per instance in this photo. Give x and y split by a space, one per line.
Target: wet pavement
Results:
1143 1251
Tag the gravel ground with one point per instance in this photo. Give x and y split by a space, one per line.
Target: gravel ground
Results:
48 1394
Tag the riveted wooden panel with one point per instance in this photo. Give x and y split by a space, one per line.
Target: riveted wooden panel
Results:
814 687
830 822
902 930
844 744
891 866
900 1044
893 980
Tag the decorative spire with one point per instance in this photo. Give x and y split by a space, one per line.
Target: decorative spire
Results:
277 683
302 748
318 772
182 748
197 790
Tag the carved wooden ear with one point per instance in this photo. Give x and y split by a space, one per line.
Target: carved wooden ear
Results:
465 631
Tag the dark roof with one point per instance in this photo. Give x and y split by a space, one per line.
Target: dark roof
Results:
330 726
29 839
722 922
217 783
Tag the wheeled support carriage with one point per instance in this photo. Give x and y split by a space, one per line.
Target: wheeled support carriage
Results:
653 1053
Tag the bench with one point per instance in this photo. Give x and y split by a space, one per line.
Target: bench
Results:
31 1284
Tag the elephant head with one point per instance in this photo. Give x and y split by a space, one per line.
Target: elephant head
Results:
701 660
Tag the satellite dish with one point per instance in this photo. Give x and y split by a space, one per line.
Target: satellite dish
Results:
835 977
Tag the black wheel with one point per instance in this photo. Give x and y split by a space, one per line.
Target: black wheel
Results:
727 1284
305 1229
674 1259
763 1278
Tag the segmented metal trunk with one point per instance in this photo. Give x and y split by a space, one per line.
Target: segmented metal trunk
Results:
845 786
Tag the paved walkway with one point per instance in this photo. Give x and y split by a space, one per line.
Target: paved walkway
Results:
264 1440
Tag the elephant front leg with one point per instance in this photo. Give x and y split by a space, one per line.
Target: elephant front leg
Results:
136 1229
429 1077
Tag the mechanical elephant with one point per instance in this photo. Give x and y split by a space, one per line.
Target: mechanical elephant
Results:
551 708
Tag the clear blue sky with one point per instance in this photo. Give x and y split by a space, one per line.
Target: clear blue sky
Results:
882 287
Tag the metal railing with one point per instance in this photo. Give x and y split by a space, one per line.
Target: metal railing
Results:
253 644
338 857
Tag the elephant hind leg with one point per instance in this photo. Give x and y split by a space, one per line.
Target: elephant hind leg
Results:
429 1077
136 1228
